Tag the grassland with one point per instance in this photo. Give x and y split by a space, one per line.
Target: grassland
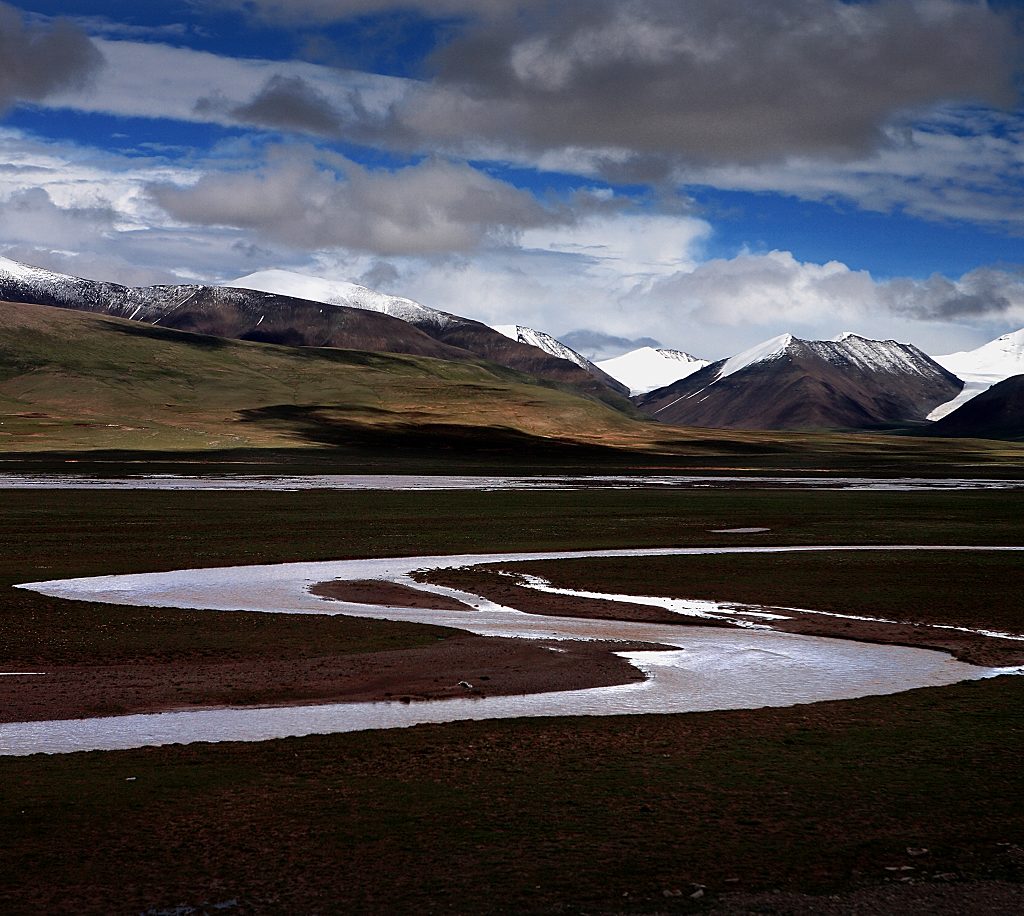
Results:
76 387
575 815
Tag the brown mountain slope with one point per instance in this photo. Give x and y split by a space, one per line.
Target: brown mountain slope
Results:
994 414
250 315
851 384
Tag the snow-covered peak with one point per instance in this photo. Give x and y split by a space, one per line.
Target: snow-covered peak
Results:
339 292
876 355
982 368
17 271
768 349
543 341
1001 357
648 368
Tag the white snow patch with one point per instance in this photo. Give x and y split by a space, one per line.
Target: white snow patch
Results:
339 292
982 368
648 368
769 349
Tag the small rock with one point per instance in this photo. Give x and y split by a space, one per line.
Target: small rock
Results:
466 684
697 894
916 851
671 892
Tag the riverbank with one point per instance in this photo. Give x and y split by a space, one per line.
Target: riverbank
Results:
490 666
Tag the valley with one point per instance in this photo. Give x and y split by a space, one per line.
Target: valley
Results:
910 745
129 448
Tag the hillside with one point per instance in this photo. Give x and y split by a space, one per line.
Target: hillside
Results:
273 317
89 388
72 380
538 355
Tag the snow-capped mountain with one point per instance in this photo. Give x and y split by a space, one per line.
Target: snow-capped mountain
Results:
982 368
489 343
788 383
996 413
370 320
223 312
543 341
340 292
554 347
648 368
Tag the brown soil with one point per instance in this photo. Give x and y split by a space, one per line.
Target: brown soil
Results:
972 648
493 665
373 591
504 590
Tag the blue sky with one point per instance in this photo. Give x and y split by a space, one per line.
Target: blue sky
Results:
708 174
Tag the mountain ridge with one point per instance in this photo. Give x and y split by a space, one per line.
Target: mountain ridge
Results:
788 383
245 314
446 327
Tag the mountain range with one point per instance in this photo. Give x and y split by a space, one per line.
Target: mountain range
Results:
787 383
851 382
271 317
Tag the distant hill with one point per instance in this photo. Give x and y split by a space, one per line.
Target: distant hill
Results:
71 380
787 383
997 413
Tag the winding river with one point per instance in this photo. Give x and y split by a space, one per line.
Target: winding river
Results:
703 668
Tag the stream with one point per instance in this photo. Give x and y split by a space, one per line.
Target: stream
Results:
703 668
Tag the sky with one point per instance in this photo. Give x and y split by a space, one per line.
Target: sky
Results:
704 173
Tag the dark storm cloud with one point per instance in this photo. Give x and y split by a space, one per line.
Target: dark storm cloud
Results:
36 61
636 87
982 293
730 79
290 103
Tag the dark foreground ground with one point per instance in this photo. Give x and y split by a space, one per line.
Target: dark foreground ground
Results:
577 815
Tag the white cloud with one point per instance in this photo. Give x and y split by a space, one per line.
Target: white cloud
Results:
617 271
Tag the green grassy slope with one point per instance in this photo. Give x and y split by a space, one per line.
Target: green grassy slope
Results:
70 380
